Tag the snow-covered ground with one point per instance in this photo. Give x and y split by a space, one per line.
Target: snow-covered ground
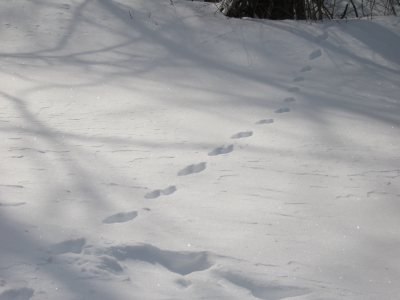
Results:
159 151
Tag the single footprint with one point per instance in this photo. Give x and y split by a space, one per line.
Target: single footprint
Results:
265 121
169 190
157 193
120 217
315 54
282 110
153 194
221 150
294 89
306 69
289 100
195 168
298 79
242 134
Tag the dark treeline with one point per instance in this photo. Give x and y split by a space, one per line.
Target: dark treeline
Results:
305 9
266 9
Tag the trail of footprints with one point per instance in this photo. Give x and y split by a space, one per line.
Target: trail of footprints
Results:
182 263
123 217
195 168
226 149
178 262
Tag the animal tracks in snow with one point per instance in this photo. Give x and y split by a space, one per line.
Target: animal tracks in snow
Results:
153 194
315 54
282 110
169 190
242 134
157 193
121 217
221 150
265 121
191 169
306 69
186 262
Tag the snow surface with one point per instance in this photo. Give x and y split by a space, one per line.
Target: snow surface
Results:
152 150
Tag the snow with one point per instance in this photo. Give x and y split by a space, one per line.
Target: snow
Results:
158 151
